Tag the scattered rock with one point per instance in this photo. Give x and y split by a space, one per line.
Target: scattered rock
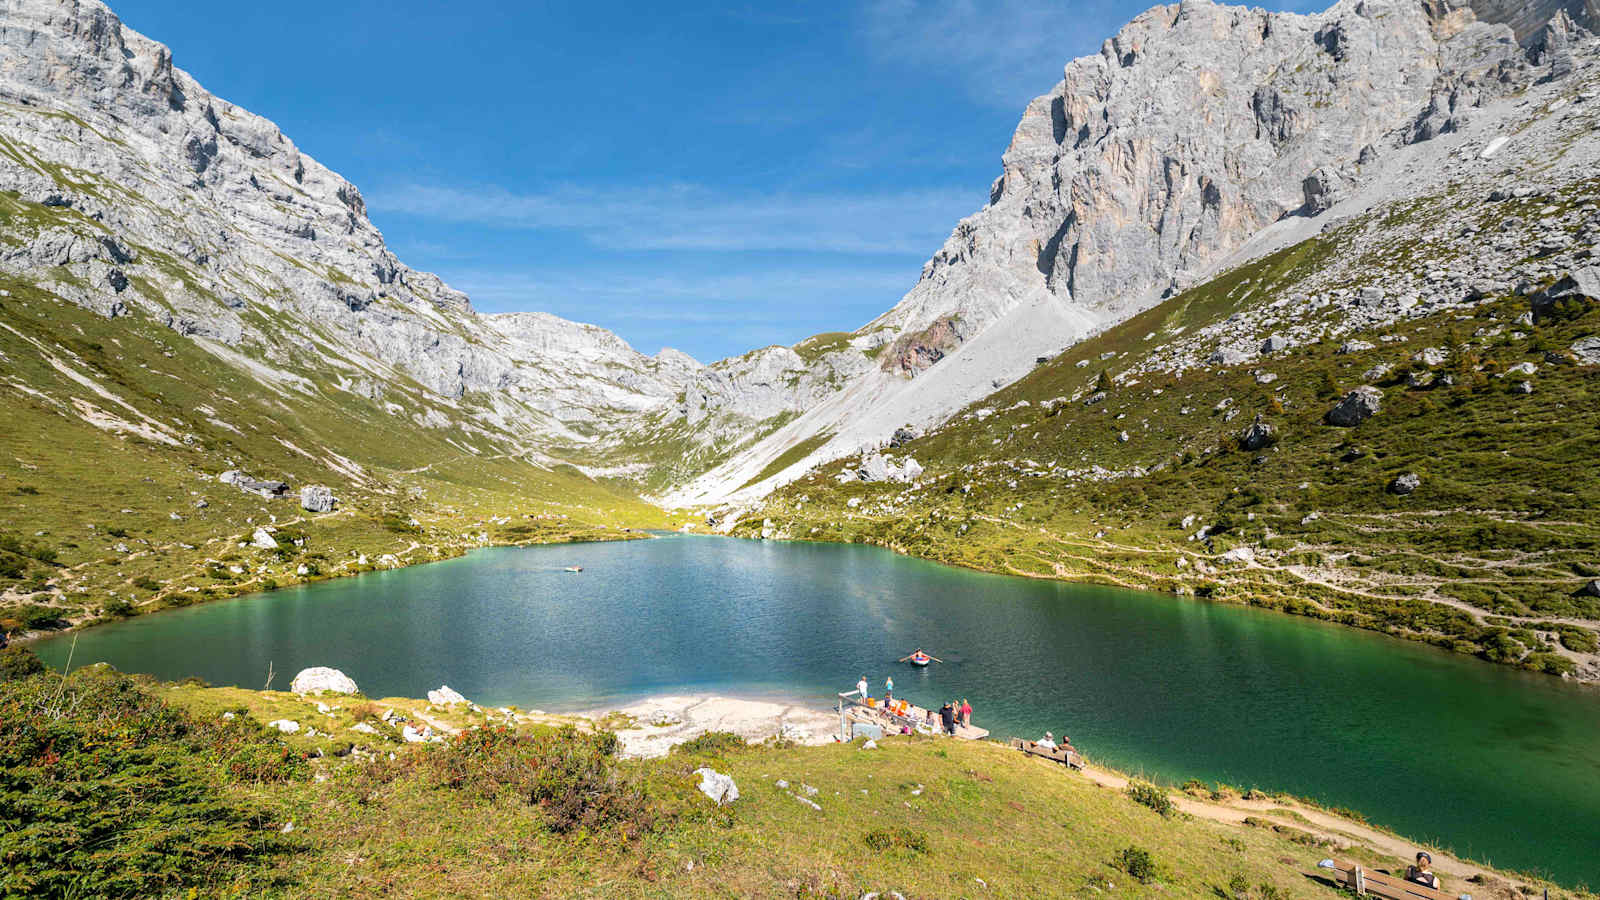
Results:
1258 435
1377 372
444 696
317 498
875 467
1522 387
317 679
287 726
1239 556
1405 484
720 788
1357 406
263 540
1275 344
1587 351
364 728
1354 346
249 485
1592 589
1229 356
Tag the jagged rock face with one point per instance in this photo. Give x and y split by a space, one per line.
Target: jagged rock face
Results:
182 206
1193 128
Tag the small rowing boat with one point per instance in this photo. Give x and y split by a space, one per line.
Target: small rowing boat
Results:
574 568
919 658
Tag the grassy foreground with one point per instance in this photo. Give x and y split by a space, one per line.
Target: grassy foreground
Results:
116 786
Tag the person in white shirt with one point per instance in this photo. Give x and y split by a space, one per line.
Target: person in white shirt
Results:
861 687
1048 742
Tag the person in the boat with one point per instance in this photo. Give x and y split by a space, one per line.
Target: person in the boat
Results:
1047 742
1422 873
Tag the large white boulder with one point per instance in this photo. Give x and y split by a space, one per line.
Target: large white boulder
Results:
317 679
317 498
719 787
444 696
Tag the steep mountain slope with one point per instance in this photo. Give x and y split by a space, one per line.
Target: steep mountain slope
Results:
1383 415
1194 129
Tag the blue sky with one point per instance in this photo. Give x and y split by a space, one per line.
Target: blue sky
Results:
711 177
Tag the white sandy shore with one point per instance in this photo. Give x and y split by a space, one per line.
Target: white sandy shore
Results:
665 721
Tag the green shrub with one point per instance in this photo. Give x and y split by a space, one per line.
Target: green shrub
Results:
1137 863
712 743
883 840
1549 663
17 663
571 775
146 583
107 791
1578 640
1146 794
117 608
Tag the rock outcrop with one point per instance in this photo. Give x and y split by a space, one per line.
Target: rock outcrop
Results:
317 498
1357 406
318 679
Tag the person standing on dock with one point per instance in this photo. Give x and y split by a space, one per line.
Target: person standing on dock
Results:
861 688
888 689
966 712
947 717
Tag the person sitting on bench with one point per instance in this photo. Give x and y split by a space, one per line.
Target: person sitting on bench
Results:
1419 873
1047 742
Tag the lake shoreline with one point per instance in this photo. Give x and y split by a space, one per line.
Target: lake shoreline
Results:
1587 672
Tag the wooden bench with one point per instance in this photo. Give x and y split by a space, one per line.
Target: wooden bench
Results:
1366 881
1064 755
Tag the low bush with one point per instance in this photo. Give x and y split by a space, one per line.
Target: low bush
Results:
712 743
1146 794
1137 863
109 792
884 840
17 663
571 775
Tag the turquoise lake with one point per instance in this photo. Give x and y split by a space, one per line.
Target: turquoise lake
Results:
1499 765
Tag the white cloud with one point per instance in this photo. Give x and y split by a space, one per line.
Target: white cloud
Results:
1005 52
698 218
710 314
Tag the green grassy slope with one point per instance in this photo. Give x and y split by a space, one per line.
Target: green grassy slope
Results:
1483 558
110 519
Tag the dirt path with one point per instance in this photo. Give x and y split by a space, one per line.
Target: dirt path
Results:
1323 824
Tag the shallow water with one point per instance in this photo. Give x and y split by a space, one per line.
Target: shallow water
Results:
1500 765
